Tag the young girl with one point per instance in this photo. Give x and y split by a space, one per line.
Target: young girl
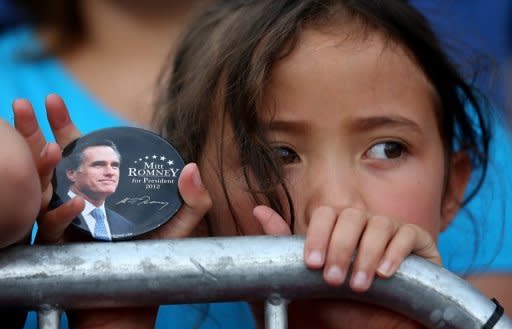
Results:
339 120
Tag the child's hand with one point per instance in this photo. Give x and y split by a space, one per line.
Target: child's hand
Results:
20 191
332 239
52 222
196 203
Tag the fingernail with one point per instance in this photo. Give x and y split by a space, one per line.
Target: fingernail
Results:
43 151
315 258
384 268
196 178
335 275
17 101
60 118
360 280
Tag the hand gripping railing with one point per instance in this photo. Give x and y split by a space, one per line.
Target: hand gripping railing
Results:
75 276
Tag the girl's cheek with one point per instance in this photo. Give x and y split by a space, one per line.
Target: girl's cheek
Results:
413 199
410 193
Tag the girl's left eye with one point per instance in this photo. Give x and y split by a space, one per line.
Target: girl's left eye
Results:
386 151
286 155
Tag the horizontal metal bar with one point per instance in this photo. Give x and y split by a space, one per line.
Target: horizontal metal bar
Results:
220 269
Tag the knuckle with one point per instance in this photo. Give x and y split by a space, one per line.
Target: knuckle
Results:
353 214
207 203
430 245
409 230
382 223
200 203
341 257
323 212
344 250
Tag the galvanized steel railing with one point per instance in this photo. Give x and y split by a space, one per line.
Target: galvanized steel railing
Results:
136 273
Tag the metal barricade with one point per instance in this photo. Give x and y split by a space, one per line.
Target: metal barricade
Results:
136 273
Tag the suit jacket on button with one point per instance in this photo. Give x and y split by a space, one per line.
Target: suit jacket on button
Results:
118 224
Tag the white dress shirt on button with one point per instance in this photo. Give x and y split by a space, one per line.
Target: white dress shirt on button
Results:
89 219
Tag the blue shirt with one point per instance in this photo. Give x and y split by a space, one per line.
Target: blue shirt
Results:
479 243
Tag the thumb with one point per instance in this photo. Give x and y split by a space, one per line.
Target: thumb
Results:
196 203
271 221
53 224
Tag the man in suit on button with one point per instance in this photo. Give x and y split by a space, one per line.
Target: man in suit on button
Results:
93 172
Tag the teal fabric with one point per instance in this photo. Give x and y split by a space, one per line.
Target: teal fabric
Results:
480 237
33 80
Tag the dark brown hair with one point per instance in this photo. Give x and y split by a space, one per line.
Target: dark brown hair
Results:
226 57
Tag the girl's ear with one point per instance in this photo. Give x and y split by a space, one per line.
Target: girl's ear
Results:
459 175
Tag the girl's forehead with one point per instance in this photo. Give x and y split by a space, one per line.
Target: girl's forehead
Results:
351 73
327 46
381 57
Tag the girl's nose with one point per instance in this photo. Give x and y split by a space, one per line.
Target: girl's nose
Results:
335 187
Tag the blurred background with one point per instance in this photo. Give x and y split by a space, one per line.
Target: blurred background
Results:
477 33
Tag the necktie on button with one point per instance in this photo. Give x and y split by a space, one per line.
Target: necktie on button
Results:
100 228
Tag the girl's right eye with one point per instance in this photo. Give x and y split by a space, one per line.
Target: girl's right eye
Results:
286 154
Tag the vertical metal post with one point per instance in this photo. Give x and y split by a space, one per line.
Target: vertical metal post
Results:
276 313
48 318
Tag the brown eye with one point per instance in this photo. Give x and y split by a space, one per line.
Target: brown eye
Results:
286 155
386 150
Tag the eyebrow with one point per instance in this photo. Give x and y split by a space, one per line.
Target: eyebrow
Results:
384 121
103 163
294 127
357 124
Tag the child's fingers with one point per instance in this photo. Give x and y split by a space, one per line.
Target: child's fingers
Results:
49 158
344 240
196 200
26 124
409 239
58 116
271 222
377 234
46 156
318 235
53 224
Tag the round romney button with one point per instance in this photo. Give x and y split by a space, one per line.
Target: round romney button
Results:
128 178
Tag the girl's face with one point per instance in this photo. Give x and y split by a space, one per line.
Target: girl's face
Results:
353 120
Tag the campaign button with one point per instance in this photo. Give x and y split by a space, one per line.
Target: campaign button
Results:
128 178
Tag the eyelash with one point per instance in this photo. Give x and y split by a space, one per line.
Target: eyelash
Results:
382 148
290 157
